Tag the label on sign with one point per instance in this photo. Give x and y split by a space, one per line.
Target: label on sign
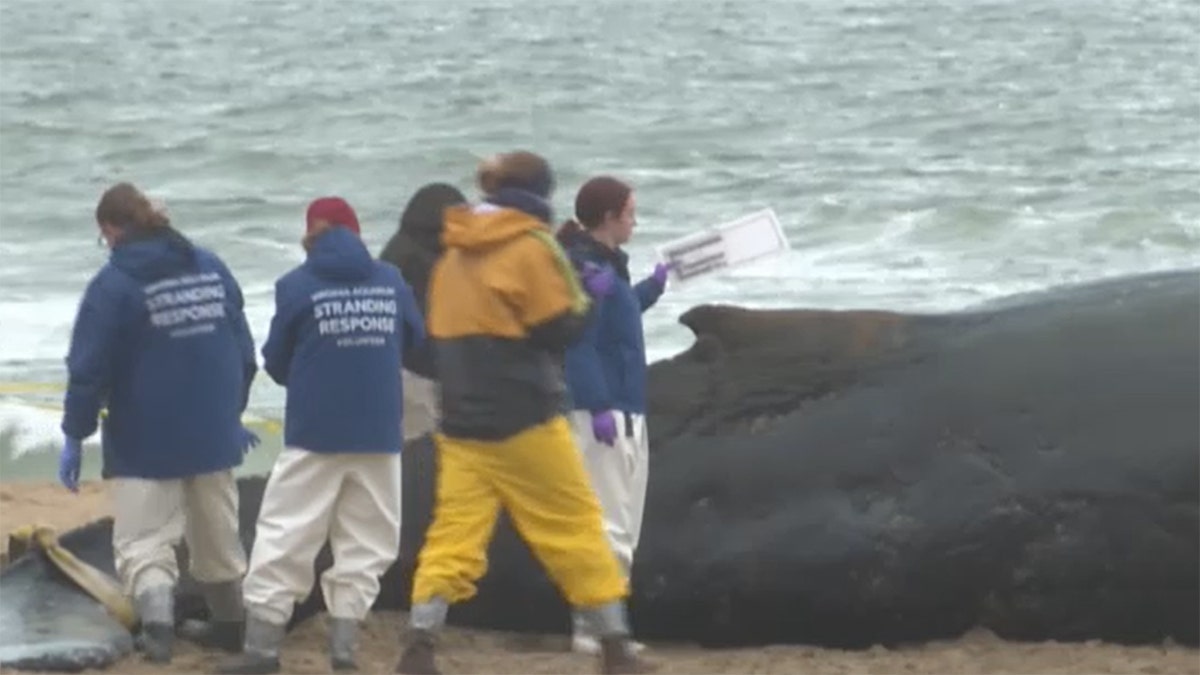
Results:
737 242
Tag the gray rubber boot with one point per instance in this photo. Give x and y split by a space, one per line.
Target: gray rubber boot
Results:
156 606
225 628
260 651
343 634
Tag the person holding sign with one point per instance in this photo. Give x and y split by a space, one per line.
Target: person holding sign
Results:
504 303
342 322
606 368
161 340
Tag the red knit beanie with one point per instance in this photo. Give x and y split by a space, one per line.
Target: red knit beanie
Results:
333 210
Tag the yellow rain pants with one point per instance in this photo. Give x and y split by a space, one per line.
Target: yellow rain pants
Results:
539 477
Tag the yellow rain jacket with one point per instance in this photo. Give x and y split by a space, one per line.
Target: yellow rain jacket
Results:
504 303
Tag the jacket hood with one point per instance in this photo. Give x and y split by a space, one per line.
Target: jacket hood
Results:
486 225
154 256
339 254
582 247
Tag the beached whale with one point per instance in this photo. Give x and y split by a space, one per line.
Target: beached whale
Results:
849 478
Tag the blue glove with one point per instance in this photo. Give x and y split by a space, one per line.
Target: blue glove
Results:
604 426
70 459
598 280
249 440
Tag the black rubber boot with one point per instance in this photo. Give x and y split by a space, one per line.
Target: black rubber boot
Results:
618 657
260 651
224 635
226 627
417 658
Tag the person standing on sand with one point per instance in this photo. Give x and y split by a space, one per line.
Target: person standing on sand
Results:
161 341
343 322
414 249
606 370
504 303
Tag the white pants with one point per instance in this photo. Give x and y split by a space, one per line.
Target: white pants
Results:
420 405
353 501
150 517
619 474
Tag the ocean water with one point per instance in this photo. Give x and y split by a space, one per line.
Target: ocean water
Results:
921 155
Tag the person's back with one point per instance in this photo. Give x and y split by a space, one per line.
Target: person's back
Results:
504 303
176 346
342 322
161 341
341 358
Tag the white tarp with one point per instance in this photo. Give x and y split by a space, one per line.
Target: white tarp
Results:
737 242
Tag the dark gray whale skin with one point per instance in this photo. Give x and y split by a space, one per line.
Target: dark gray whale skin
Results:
1031 466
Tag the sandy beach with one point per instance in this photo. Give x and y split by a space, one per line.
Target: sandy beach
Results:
490 652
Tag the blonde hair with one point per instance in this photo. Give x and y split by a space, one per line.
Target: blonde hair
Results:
511 169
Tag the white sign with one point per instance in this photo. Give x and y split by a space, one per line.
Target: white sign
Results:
734 243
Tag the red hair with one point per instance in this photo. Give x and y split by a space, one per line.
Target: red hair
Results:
599 197
124 206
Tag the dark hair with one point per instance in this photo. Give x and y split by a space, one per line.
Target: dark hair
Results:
597 198
124 206
415 248
417 243
520 169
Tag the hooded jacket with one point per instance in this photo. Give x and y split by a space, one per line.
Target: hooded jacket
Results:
504 303
606 368
161 339
342 323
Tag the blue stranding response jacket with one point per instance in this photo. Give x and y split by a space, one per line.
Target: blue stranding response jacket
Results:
342 323
161 340
606 368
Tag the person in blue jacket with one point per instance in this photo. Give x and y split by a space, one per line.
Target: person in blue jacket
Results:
606 369
161 342
343 324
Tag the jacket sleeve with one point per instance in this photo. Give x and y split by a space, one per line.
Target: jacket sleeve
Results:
583 366
241 327
548 299
281 339
412 326
90 359
648 292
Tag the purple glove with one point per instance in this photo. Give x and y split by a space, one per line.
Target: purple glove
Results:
598 281
604 426
661 270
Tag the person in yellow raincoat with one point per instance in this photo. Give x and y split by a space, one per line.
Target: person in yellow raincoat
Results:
504 303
